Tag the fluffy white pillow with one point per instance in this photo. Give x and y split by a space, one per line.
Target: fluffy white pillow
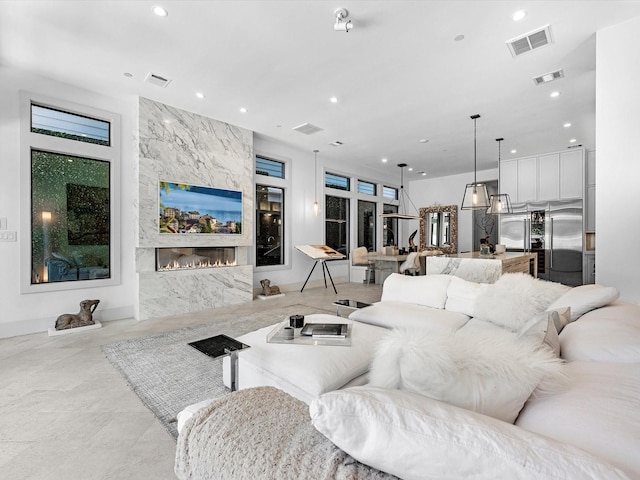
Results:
414 437
516 298
488 370
463 294
427 290
584 298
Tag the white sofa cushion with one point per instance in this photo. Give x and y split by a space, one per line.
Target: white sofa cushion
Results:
427 290
598 412
584 298
407 315
542 329
516 298
609 334
480 367
463 294
414 437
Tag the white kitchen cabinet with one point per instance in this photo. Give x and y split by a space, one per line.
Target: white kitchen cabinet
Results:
548 177
591 209
572 174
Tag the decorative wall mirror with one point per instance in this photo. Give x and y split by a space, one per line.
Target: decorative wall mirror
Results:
439 228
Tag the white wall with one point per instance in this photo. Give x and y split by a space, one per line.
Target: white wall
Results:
618 165
33 312
449 191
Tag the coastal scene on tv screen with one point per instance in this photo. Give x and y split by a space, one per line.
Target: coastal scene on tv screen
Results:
193 209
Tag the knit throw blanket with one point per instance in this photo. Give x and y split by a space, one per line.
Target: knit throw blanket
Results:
261 433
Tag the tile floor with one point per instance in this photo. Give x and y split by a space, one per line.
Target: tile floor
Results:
68 414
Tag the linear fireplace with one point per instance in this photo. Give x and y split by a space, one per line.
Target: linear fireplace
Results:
189 258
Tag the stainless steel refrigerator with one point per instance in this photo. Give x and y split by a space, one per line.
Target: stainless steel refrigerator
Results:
554 231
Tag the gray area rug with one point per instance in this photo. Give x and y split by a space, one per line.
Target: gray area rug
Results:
168 374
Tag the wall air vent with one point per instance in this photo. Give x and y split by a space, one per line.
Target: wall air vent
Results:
307 129
530 41
157 80
548 77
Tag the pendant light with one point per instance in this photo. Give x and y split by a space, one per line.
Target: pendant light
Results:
402 213
315 181
475 194
500 202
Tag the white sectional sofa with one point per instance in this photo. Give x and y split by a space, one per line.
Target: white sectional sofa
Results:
409 422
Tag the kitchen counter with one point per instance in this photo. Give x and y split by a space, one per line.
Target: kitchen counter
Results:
475 267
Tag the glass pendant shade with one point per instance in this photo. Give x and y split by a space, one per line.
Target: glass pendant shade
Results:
475 197
499 203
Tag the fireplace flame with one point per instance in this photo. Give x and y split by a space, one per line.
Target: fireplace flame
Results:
175 265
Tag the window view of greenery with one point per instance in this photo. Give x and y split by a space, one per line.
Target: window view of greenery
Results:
269 226
70 218
337 223
367 225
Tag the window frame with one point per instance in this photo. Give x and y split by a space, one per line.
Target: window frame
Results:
65 146
285 185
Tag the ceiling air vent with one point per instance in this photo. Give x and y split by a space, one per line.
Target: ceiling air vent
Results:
337 143
156 80
548 77
530 41
307 129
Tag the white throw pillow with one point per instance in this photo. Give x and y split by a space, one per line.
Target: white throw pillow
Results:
414 437
463 294
516 298
427 290
584 298
542 329
482 368
609 334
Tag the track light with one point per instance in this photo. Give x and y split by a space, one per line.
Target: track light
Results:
342 25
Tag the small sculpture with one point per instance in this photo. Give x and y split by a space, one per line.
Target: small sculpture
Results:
411 237
83 318
267 289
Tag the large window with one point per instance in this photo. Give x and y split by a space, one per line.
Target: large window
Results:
367 225
269 225
337 223
368 188
339 182
71 224
389 226
269 168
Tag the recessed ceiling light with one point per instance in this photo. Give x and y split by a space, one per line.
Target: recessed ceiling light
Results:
424 174
199 94
384 160
459 38
243 110
573 140
514 151
333 99
554 94
519 15
410 169
567 125
158 10
424 140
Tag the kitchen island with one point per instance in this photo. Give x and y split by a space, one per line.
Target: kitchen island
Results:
475 267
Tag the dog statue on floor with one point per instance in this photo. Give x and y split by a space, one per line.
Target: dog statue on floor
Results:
267 289
83 318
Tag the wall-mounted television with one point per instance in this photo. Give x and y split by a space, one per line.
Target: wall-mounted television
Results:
194 209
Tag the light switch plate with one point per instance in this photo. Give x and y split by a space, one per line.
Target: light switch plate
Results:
8 236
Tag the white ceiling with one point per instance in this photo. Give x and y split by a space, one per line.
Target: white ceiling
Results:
399 74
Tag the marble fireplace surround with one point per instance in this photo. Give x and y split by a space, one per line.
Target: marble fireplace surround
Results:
183 147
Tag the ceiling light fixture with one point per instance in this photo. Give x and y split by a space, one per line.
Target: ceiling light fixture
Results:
402 213
243 110
200 95
554 94
566 125
519 15
500 202
333 99
384 160
160 11
342 24
514 151
475 194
